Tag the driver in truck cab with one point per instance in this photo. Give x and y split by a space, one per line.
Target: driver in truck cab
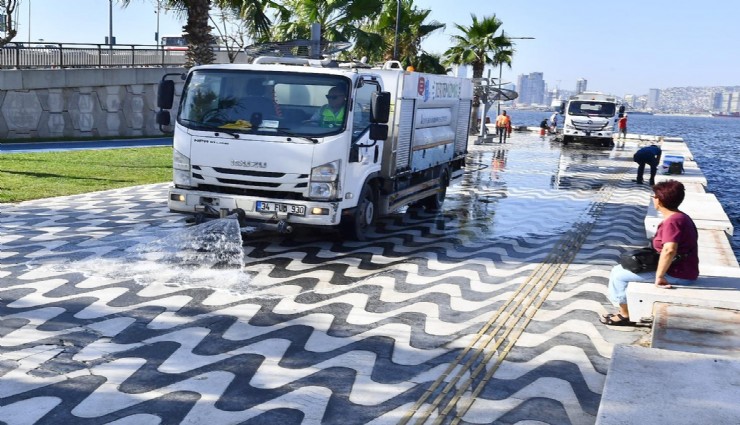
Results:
332 114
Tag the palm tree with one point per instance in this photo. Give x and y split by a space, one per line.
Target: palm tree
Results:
478 45
340 19
412 30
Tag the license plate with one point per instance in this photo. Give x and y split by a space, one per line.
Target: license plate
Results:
263 206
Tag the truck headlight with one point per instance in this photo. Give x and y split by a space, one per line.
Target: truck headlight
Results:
180 169
180 161
569 126
321 190
324 179
181 178
325 173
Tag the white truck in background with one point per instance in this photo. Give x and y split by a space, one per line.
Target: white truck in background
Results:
244 142
590 117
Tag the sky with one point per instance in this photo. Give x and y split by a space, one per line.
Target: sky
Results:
624 47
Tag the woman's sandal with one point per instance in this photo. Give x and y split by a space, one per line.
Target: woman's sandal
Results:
623 321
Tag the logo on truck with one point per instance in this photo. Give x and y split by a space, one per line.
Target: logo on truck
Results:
438 90
248 164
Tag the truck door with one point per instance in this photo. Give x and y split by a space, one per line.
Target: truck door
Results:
364 150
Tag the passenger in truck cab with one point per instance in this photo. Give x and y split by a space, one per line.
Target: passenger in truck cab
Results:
332 114
260 97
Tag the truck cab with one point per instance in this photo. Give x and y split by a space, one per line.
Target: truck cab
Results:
590 117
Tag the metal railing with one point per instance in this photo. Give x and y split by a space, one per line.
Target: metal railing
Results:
79 55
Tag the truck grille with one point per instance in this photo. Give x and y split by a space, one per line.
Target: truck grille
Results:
251 182
248 173
589 125
228 190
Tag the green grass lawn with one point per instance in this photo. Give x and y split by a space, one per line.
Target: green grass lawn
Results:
25 176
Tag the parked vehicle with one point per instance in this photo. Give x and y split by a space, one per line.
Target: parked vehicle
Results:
174 42
590 117
252 140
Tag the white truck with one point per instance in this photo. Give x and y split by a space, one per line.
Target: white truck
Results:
252 140
590 117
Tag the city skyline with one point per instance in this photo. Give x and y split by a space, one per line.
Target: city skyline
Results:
621 49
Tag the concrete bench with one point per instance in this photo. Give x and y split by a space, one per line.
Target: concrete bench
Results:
708 291
691 174
715 250
703 208
654 386
676 146
694 329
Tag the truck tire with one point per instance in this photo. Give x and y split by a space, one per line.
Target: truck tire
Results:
567 139
434 202
363 218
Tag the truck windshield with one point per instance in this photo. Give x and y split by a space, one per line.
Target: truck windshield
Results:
299 104
592 109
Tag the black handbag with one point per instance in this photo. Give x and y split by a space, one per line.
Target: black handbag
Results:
640 260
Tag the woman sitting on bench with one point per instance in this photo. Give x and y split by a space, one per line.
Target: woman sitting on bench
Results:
677 242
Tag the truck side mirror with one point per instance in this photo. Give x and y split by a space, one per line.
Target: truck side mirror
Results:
380 108
165 94
621 111
378 131
562 108
163 117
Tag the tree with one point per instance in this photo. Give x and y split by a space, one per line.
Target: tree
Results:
7 26
341 20
197 32
478 45
239 24
413 28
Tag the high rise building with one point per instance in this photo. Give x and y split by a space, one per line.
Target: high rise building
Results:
531 88
733 102
717 102
581 85
629 100
522 82
537 87
653 99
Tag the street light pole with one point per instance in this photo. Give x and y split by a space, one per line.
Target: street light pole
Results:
156 34
501 69
110 24
395 39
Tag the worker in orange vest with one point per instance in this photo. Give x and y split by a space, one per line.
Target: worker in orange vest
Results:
502 126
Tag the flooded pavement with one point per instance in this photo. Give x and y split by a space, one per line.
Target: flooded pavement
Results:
112 310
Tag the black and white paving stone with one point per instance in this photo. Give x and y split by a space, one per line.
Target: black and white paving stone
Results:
99 327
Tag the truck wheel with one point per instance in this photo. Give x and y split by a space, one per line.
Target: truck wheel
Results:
434 202
567 139
356 226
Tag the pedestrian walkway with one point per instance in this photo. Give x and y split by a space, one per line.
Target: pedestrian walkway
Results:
487 312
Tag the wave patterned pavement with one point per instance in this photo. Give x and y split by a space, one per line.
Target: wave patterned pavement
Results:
484 313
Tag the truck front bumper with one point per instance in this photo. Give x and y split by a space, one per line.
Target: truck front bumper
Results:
599 134
217 204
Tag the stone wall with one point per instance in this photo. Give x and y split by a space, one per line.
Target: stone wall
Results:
81 102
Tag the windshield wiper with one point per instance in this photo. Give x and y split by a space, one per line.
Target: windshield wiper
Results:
284 132
197 125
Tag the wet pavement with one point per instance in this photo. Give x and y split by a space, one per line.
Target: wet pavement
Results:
486 312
